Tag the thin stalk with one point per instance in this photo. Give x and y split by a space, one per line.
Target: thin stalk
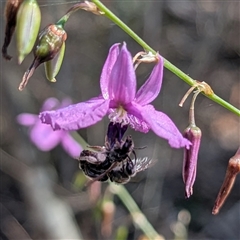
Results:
167 64
61 22
191 110
138 217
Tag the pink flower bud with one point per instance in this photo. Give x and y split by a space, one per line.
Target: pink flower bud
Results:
193 134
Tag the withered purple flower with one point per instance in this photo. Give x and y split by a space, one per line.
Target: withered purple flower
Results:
193 134
43 136
120 100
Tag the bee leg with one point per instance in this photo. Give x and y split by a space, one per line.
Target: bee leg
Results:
135 156
97 148
140 147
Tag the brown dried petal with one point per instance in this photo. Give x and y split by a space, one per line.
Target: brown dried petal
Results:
232 171
11 9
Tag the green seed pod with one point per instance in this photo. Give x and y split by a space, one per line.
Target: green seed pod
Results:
53 66
28 24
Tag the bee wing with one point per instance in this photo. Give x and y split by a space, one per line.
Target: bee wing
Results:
143 163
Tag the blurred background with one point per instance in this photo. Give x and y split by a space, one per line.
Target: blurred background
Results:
43 194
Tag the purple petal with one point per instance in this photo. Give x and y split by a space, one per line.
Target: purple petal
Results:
76 116
122 82
107 69
151 88
138 124
50 103
135 118
163 126
71 146
27 119
44 137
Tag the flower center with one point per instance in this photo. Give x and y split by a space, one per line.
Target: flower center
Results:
119 115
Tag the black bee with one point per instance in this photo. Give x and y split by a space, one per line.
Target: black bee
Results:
95 164
112 163
113 160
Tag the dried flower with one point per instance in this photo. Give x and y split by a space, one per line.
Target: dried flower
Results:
190 158
193 134
232 171
43 136
120 100
11 9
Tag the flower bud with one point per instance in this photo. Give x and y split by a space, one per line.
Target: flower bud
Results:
28 23
53 66
11 9
193 134
232 171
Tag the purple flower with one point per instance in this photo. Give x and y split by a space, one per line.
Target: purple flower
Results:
120 100
43 136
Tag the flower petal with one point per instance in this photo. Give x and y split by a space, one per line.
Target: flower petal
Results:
71 146
76 116
151 88
27 119
107 69
138 124
50 103
44 137
163 126
122 82
135 118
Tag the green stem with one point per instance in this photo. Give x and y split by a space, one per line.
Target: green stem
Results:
61 22
138 217
79 139
167 64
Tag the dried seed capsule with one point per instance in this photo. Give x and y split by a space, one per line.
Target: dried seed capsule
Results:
11 9
49 44
28 23
53 66
233 170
